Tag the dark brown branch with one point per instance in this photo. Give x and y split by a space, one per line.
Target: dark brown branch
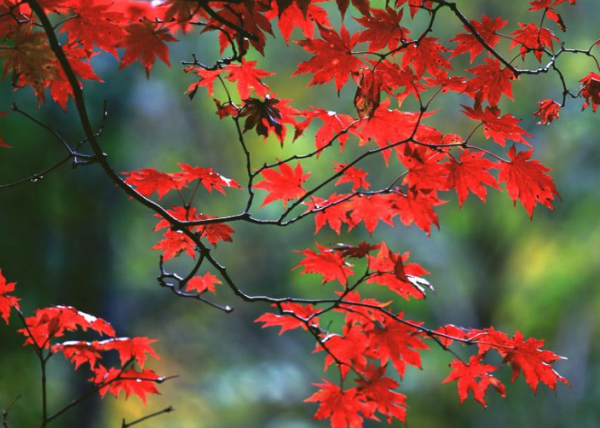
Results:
145 418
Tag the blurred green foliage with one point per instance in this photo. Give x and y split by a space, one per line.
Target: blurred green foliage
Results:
73 238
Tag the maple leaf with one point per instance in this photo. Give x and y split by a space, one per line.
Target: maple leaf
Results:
207 80
130 349
474 376
214 232
368 93
496 127
370 210
548 111
264 115
426 55
145 41
174 243
395 341
527 180
55 321
487 29
328 263
470 174
335 126
130 381
247 77
390 270
356 176
342 407
358 252
206 176
30 59
424 168
383 29
94 25
7 302
590 90
531 38
285 185
331 211
149 180
60 87
288 321
202 283
491 81
295 17
378 392
528 357
349 349
79 352
333 57
416 207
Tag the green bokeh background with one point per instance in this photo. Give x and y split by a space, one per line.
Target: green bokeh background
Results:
74 238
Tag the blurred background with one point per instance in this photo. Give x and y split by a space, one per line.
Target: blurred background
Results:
73 238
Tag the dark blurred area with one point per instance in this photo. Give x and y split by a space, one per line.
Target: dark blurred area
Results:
73 238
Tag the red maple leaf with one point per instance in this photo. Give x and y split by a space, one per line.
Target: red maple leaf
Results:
398 342
333 57
328 263
527 180
383 29
290 320
528 357
149 180
487 29
55 321
474 377
248 77
370 210
145 41
206 176
416 207
130 349
427 56
79 352
590 90
7 302
175 242
330 211
294 17
378 392
285 185
94 25
548 111
490 82
130 381
470 174
356 176
342 407
207 80
498 128
202 283
390 270
531 38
